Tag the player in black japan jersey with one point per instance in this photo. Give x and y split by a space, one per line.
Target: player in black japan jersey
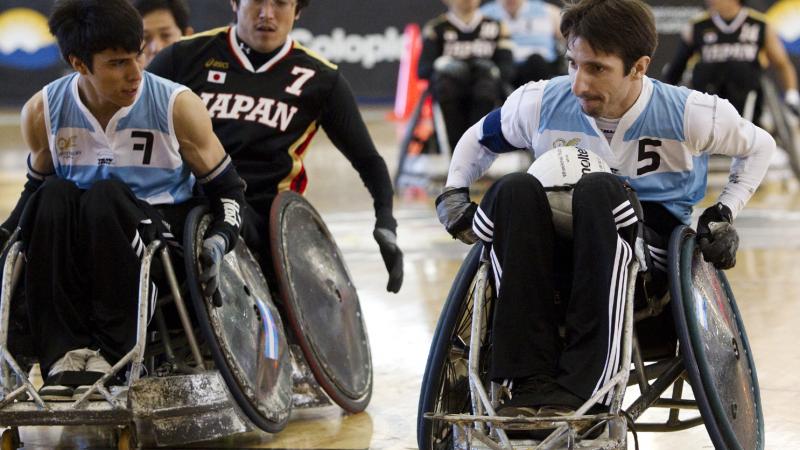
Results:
731 42
467 58
267 96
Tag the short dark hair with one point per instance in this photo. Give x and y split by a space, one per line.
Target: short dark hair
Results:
622 27
300 4
86 27
178 8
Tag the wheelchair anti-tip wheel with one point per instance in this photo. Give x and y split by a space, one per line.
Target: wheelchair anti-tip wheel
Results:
445 383
715 348
320 301
245 335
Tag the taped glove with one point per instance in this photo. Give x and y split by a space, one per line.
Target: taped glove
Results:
392 257
717 237
455 211
211 262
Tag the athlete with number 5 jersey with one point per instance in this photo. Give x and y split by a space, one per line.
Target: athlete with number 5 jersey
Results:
268 96
655 137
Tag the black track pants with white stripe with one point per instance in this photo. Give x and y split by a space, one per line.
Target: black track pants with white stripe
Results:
514 218
83 252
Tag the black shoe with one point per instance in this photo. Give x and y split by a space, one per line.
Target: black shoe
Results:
527 394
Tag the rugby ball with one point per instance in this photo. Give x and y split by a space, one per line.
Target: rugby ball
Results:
558 170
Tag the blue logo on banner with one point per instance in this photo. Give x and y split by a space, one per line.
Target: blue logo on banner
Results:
25 40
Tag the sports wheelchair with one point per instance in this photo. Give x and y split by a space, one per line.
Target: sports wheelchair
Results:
457 411
235 367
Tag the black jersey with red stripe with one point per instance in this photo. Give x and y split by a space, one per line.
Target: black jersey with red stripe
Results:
266 116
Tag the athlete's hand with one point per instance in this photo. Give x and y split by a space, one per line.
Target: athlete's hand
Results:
211 261
455 211
792 100
717 237
392 257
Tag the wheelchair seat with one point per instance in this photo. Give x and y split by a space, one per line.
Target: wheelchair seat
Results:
456 411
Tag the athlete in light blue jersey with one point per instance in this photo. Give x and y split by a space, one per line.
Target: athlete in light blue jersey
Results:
113 157
656 138
534 29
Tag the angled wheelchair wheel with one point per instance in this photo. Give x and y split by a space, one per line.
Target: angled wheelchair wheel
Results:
785 133
445 383
245 335
715 348
320 301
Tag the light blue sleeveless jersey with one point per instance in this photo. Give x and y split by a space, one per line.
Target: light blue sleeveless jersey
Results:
649 148
138 147
532 31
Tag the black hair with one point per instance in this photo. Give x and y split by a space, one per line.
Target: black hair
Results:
300 4
178 8
86 27
625 28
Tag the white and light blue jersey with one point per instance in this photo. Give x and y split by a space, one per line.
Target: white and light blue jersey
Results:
137 147
533 29
661 144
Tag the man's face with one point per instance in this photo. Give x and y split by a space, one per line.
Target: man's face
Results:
264 25
160 30
600 82
116 76
464 6
512 6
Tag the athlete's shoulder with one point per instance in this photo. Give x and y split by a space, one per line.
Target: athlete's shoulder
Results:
204 36
756 16
434 26
704 16
301 51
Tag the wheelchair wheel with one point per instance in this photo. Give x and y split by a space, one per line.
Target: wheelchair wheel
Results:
445 384
784 133
245 335
715 348
320 301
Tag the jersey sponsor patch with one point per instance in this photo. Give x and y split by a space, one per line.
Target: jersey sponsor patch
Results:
216 76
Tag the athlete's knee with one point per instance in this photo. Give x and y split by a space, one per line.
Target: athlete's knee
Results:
451 79
596 182
518 187
55 195
102 197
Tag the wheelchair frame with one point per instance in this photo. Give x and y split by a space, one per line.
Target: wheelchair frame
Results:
190 403
485 430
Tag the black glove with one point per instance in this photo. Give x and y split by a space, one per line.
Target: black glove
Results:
455 212
211 261
392 257
717 237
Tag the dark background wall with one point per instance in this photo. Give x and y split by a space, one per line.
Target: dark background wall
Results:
363 36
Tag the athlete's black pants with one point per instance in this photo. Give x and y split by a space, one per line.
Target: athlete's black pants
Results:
83 251
543 281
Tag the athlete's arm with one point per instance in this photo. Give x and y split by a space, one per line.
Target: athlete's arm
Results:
40 161
345 127
431 49
163 64
205 156
673 71
714 126
503 56
777 56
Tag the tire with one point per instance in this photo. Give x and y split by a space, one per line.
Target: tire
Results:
445 387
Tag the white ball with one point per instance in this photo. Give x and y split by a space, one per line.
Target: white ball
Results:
559 170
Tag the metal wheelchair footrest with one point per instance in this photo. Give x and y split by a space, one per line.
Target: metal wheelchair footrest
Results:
28 413
185 408
469 431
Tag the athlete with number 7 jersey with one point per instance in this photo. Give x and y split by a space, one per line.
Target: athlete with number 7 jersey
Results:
267 96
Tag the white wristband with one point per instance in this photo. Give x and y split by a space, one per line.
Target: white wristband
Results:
792 97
